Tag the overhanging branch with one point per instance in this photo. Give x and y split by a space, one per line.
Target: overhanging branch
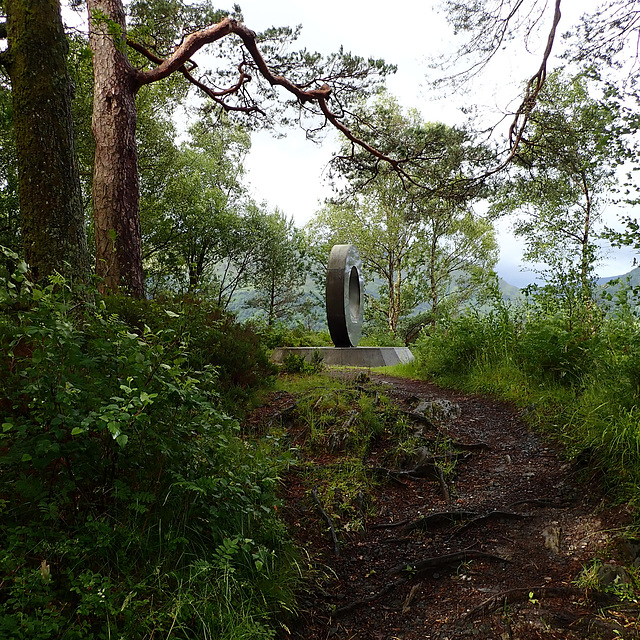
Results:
217 96
192 43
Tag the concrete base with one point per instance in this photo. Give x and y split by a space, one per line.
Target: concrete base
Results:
349 356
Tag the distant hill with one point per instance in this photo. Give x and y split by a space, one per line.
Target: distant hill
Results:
510 293
633 276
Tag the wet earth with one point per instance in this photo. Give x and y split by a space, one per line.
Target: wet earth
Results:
495 551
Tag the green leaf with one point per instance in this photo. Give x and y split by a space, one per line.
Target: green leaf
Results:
122 439
26 457
7 426
171 314
77 431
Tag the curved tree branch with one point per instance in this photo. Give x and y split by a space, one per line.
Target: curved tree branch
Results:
217 96
321 95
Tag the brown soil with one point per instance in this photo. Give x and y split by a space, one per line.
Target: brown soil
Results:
508 575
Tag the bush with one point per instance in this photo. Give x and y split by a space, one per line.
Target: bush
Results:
215 338
129 506
551 347
284 335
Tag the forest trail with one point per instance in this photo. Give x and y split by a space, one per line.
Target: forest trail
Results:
491 548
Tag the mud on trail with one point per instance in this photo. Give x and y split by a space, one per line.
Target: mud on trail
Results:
478 529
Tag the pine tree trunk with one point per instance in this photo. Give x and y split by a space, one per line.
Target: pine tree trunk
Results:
53 228
115 180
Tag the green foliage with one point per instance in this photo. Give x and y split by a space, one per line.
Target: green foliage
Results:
215 338
418 246
563 175
129 505
342 420
294 363
280 271
280 334
576 375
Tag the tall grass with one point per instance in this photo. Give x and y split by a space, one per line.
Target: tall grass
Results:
577 374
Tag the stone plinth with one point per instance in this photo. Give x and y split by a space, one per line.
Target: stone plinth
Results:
349 356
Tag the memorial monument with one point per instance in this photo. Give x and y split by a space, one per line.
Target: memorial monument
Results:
344 304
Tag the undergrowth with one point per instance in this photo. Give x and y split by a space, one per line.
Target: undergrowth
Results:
575 375
130 507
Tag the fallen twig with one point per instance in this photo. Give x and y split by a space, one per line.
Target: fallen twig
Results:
327 519
409 599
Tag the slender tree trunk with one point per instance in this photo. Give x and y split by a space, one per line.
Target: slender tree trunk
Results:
585 261
53 229
433 283
116 196
391 284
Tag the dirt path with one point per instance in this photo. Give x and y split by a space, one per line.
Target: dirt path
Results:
501 563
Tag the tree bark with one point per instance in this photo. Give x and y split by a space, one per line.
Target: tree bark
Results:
53 228
116 199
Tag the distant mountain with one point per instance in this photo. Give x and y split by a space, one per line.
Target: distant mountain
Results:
510 292
633 276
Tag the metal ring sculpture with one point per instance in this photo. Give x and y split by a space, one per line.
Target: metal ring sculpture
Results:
345 287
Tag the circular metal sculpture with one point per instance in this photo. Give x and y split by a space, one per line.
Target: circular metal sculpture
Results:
345 287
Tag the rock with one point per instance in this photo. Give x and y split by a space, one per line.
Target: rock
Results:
612 574
552 535
441 410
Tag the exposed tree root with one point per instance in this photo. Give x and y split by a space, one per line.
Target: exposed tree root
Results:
489 516
524 594
439 518
470 446
417 569
389 525
327 519
425 470
359 603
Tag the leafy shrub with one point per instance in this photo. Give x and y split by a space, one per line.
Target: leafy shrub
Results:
550 347
453 347
129 506
215 338
281 334
293 363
